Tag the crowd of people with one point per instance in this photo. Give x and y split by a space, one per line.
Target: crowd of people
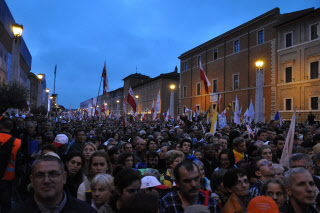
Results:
177 166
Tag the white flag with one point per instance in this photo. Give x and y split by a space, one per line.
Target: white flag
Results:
157 107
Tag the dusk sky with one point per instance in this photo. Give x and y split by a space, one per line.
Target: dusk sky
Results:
80 35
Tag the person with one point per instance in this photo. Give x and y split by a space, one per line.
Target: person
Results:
204 182
226 160
126 147
47 180
173 158
101 187
187 179
239 149
186 146
88 149
274 189
219 192
224 142
209 160
127 160
74 168
10 160
311 118
279 142
152 144
140 149
114 153
301 189
279 171
198 154
80 139
151 185
265 151
236 182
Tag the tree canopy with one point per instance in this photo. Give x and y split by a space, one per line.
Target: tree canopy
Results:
12 95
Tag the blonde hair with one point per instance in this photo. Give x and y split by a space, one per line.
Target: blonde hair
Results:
172 155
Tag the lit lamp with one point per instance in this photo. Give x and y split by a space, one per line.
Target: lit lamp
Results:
118 101
172 87
47 90
259 65
259 105
40 76
51 97
137 97
17 30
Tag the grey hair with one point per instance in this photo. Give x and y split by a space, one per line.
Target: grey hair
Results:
109 140
152 172
300 156
197 209
46 158
278 166
105 181
198 163
237 141
290 172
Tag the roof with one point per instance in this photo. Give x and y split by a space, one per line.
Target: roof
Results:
289 17
136 75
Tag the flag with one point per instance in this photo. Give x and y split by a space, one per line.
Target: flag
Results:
157 107
245 115
205 79
207 112
287 150
187 110
103 109
224 112
251 112
168 116
214 122
105 79
219 103
131 100
250 132
229 106
237 119
276 117
152 107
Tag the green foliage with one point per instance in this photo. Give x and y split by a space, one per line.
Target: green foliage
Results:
12 95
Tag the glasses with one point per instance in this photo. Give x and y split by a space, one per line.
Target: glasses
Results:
264 163
40 176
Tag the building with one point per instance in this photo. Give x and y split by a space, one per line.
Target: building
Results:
229 63
298 82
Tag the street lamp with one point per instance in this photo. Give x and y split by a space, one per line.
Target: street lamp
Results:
259 105
15 53
118 101
172 87
137 97
259 64
17 30
40 76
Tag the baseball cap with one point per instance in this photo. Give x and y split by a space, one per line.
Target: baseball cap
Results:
262 204
150 181
60 140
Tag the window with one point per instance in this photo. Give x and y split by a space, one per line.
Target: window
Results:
198 89
314 70
184 92
213 107
260 37
236 46
288 104
288 40
185 65
233 106
314 103
288 74
215 85
199 60
235 82
314 31
215 54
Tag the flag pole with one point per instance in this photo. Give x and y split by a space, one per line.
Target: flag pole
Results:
97 97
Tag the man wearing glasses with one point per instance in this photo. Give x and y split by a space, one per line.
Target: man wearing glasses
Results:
47 180
263 170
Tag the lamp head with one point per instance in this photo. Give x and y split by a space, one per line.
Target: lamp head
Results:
172 86
40 76
259 64
47 90
17 30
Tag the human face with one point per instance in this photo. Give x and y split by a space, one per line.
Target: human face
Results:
224 143
130 190
141 145
30 127
280 145
201 172
100 195
265 168
175 162
185 147
273 135
129 162
241 148
99 165
303 164
74 165
198 155
279 174
152 145
210 152
39 139
263 136
48 126
128 147
81 137
302 189
179 131
224 161
311 154
178 147
88 150
163 152
153 162
274 191
308 135
189 183
241 189
215 140
48 190
267 154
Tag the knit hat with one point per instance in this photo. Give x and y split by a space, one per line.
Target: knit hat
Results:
262 204
151 181
60 140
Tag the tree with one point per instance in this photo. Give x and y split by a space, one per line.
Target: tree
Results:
12 95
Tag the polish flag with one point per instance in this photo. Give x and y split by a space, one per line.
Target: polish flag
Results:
131 100
105 79
205 79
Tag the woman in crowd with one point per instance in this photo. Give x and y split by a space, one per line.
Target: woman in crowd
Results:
226 160
274 189
88 149
127 160
204 182
99 163
279 172
265 151
219 192
173 158
114 153
152 144
101 187
74 168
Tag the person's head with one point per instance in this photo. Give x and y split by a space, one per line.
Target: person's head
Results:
101 187
142 203
223 142
127 183
99 163
279 142
239 144
80 135
279 172
226 129
163 152
48 148
226 159
88 149
262 135
174 157
152 159
30 127
216 181
74 163
309 151
152 144
201 168
126 159
127 147
47 179
198 154
111 142
210 152
187 178
274 189
140 145
114 153
301 160
300 186
186 145
262 168
236 182
265 151
151 185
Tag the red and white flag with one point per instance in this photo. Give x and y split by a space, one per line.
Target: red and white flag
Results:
205 79
131 100
103 109
105 79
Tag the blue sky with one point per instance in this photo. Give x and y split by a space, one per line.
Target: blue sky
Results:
80 35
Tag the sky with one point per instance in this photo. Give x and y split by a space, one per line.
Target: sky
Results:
143 35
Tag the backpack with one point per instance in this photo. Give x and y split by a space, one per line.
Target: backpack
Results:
5 154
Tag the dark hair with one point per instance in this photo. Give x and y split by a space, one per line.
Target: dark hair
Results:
125 178
186 140
217 178
149 141
316 138
103 154
261 131
254 165
278 138
237 141
187 164
264 187
142 203
113 150
152 154
123 156
231 158
76 154
7 123
231 177
50 147
77 131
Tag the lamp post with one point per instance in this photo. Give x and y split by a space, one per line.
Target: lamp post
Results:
15 54
137 97
172 87
40 77
117 108
48 103
259 105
